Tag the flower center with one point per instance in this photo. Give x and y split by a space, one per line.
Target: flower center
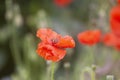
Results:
54 41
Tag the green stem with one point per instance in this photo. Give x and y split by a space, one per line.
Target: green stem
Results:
15 51
91 55
52 70
115 55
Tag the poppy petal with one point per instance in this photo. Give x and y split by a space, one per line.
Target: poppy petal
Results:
47 35
49 52
65 42
115 20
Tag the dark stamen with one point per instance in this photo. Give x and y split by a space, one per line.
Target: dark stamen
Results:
54 41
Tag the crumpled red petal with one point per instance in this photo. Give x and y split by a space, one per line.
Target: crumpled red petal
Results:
65 42
49 52
47 35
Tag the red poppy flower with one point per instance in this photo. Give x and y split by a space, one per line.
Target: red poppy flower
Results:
51 37
62 3
109 39
115 20
89 37
52 46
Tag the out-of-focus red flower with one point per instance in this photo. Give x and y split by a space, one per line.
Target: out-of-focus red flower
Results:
117 44
115 20
52 45
89 37
62 3
117 47
109 39
118 1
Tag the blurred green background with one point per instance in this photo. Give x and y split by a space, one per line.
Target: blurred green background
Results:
19 20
